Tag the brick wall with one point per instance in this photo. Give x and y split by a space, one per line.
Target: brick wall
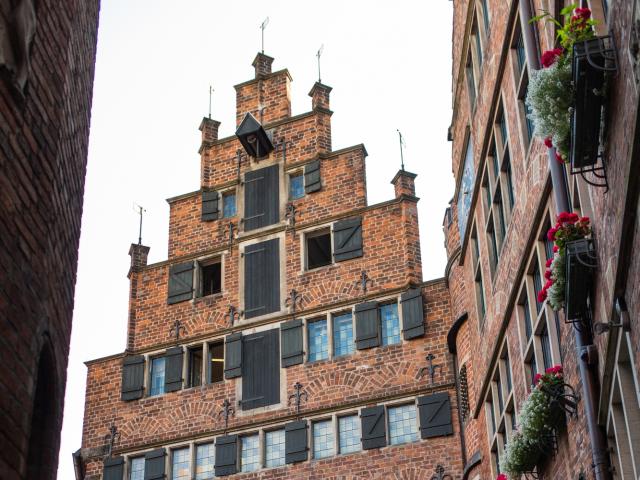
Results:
44 134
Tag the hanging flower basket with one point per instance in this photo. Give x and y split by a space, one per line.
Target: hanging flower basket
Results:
592 61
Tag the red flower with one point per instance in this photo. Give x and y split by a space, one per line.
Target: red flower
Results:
566 217
537 378
550 56
549 262
573 218
542 295
555 248
559 158
555 369
547 142
547 274
502 476
551 234
582 14
548 284
584 220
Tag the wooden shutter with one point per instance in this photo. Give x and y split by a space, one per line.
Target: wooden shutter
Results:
233 355
291 342
113 469
173 369
367 325
132 377
435 415
262 278
226 456
260 369
347 239
261 198
373 425
154 464
312 177
296 441
209 205
412 314
180 282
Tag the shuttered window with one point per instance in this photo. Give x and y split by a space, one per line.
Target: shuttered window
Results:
296 447
274 447
367 326
113 469
323 439
296 186
250 453
318 340
180 282
373 427
312 181
435 415
210 208
157 376
205 461
226 455
262 278
347 239
173 369
349 434
261 198
403 426
389 324
412 314
154 465
260 369
181 464
343 335
132 377
136 468
291 343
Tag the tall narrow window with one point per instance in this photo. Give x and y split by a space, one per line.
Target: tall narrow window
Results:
216 362
537 284
343 335
479 284
157 376
521 55
509 176
403 426
195 366
296 186
349 432
136 468
322 439
205 461
229 205
390 324
274 448
210 277
527 316
485 16
471 81
250 453
181 464
318 341
545 343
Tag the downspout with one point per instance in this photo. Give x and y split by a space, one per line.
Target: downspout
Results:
584 345
463 445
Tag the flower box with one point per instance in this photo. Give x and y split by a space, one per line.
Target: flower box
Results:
591 61
580 265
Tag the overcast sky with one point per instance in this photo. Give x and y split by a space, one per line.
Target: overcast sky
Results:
389 64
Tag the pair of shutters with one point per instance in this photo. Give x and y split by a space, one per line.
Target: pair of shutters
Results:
154 463
180 282
210 205
262 278
368 333
132 387
256 359
434 412
227 448
261 197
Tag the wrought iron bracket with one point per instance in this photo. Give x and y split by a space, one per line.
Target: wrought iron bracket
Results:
228 231
431 368
176 328
364 282
112 437
291 214
281 146
232 315
294 301
623 314
297 397
240 155
226 412
564 397
440 475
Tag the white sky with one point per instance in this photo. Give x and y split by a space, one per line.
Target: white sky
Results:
389 64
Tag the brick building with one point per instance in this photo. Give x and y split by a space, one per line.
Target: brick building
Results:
287 333
510 188
47 56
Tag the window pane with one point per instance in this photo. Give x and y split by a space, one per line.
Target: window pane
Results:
403 426
349 432
274 448
322 439
318 341
534 368
137 469
205 461
507 167
157 376
537 284
507 369
195 367
343 334
296 187
546 348
527 317
229 205
250 457
216 362
390 324
499 389
180 464
520 53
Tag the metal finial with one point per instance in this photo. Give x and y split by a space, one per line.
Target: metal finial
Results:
431 368
298 396
227 411
140 210
440 475
364 282
291 214
294 301
263 25
176 328
211 90
229 229
233 315
319 54
402 146
112 437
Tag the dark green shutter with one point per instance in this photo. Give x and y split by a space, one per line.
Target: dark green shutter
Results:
113 469
373 424
209 205
233 355
312 177
262 278
367 325
226 456
132 377
412 314
291 342
260 369
180 282
154 464
296 441
435 415
347 239
261 198
173 369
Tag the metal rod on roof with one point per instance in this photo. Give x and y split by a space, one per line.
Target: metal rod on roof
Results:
320 50
263 25
211 90
402 145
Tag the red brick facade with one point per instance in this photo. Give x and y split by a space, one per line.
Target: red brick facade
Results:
47 55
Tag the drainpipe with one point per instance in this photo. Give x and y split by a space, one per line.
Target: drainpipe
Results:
463 446
587 354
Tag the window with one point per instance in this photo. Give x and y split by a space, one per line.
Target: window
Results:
180 464
157 376
296 186
520 53
274 448
471 81
262 278
476 40
465 192
478 278
136 469
485 16
318 340
261 197
250 453
195 367
322 439
229 205
210 278
349 434
205 461
260 369
403 426
520 68
216 362
390 324
318 249
342 335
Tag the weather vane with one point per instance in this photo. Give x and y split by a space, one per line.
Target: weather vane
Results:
263 25
140 210
211 90
402 146
320 50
